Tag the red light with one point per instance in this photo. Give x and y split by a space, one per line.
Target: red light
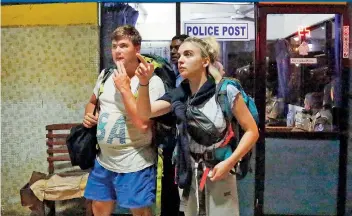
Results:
303 32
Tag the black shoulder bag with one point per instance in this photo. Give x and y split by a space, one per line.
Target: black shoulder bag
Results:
82 142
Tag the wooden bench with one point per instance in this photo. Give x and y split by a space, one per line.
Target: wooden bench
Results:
56 143
57 152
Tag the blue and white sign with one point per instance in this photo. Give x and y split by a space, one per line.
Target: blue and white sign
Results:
221 31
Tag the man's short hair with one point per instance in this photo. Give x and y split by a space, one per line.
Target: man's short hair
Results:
127 31
181 37
315 100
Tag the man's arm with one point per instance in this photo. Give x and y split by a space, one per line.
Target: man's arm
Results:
91 104
322 125
89 119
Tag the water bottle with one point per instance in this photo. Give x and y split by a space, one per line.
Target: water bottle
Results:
290 119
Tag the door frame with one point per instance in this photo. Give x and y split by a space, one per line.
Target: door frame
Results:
262 9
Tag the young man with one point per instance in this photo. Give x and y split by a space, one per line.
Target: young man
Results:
176 41
124 171
169 193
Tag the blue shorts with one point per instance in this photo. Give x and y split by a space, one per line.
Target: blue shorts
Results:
130 190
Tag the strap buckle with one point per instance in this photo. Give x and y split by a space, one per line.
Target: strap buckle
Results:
209 155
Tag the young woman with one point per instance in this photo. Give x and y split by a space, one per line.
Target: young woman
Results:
198 90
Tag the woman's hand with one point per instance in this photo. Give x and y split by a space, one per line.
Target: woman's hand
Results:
221 170
144 71
214 71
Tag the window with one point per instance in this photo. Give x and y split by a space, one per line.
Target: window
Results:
301 73
237 53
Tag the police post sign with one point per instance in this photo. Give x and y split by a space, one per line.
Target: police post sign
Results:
221 31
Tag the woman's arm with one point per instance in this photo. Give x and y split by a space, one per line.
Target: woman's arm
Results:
145 108
246 121
249 138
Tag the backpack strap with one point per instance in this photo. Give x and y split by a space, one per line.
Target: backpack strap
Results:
107 73
222 99
225 105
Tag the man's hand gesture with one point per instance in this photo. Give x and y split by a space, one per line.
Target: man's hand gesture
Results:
121 80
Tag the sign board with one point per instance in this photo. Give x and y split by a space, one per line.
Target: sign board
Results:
221 31
346 42
303 60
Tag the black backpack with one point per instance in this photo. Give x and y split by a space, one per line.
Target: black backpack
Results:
163 69
82 144
164 133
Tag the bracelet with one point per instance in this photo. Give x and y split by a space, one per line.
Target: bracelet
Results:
143 85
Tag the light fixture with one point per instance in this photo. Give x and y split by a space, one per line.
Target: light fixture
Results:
296 38
303 31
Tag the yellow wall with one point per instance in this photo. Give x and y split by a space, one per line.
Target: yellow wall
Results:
49 65
49 14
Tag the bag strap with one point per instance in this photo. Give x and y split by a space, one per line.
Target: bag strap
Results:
107 73
222 100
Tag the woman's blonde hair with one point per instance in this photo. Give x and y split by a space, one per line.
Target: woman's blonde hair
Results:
215 46
209 47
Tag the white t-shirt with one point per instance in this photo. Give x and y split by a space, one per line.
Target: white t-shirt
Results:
123 148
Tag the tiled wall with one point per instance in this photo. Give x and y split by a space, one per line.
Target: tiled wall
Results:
47 76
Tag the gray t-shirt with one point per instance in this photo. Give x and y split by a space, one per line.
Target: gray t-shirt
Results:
123 148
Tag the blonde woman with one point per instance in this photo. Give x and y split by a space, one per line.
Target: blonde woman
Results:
197 93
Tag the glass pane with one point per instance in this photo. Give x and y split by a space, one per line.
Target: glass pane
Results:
148 18
302 76
156 21
297 180
237 57
237 53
